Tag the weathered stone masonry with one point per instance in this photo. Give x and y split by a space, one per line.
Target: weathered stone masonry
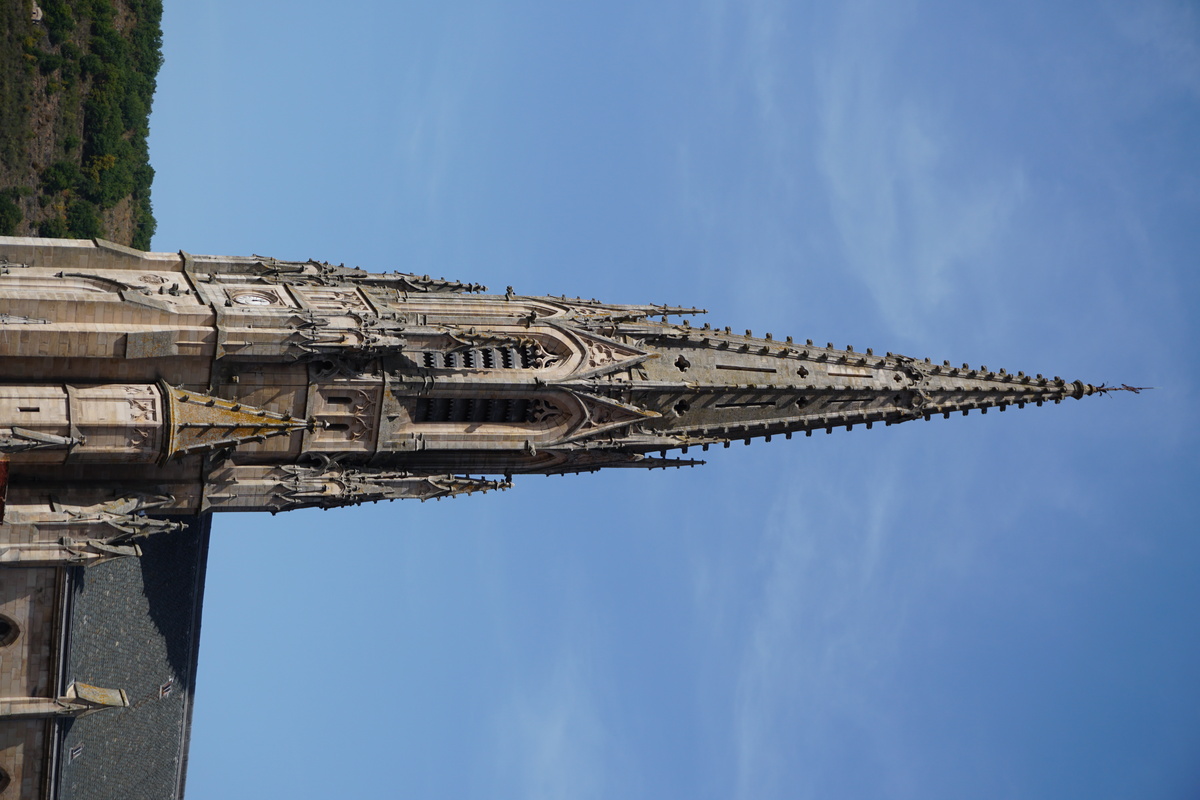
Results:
135 386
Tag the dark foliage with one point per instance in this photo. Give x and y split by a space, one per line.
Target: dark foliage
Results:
10 213
60 176
83 220
106 79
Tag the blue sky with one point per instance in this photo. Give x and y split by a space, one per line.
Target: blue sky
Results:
994 607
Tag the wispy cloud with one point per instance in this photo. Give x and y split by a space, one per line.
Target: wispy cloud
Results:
1171 29
808 661
907 219
743 170
845 162
551 739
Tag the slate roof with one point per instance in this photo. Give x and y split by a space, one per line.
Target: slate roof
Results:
135 625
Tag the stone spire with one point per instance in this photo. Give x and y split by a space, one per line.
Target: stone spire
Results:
190 384
667 386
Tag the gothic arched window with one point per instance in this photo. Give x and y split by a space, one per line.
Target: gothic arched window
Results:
524 355
500 410
9 630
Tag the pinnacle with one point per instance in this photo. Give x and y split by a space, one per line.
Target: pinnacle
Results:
200 422
715 386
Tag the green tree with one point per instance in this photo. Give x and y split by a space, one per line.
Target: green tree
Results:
83 220
58 19
59 176
54 228
10 215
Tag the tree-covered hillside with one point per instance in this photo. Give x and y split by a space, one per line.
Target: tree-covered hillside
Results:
77 80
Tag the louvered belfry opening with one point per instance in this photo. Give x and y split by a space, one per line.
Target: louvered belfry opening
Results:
512 410
505 357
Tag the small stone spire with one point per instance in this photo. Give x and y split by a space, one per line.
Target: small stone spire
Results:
200 422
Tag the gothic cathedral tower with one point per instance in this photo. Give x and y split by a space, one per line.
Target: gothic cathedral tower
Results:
139 384
137 388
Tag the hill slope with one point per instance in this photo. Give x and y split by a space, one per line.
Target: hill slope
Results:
76 87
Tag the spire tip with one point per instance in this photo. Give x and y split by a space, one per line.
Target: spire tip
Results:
1104 388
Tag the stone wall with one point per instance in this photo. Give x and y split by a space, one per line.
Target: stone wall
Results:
29 604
